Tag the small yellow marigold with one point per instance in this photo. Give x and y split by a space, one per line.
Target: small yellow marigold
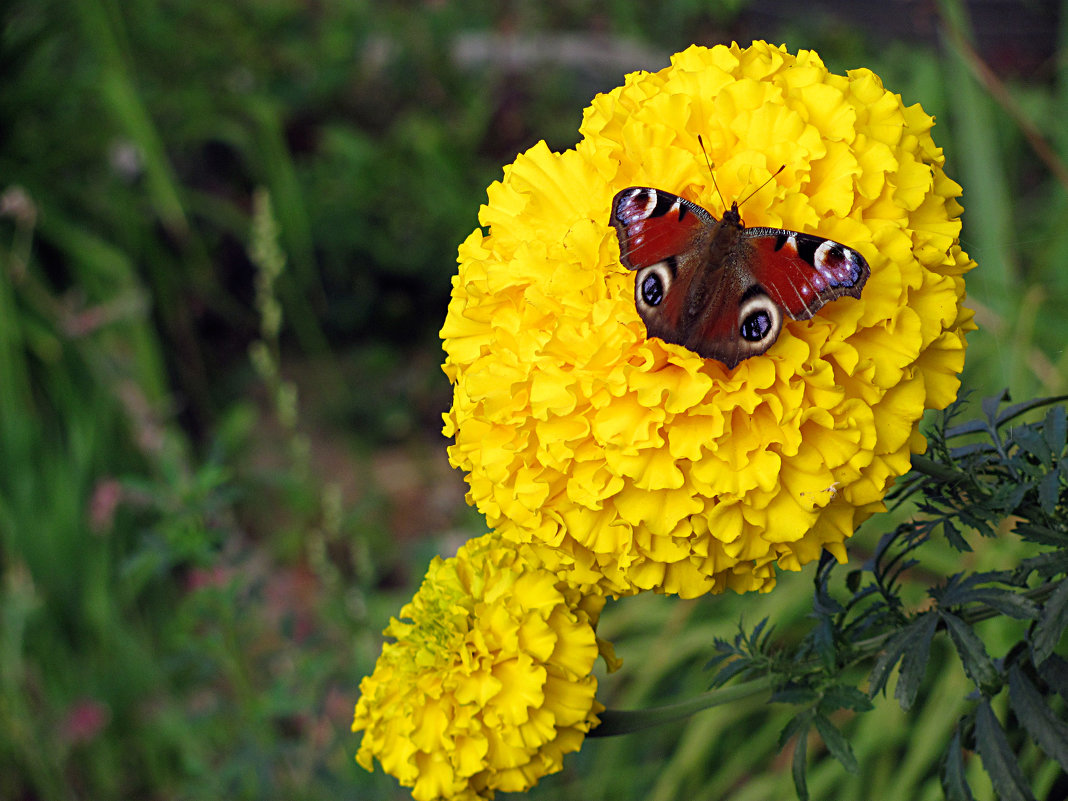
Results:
636 464
489 681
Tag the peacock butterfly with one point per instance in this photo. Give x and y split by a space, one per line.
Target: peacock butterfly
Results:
718 288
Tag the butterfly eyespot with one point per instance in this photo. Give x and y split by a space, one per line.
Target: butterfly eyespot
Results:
759 320
838 265
756 326
651 285
652 291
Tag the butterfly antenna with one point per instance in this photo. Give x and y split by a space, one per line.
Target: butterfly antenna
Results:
711 171
770 179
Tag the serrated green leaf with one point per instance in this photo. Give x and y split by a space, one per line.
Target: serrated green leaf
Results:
1031 472
896 648
990 405
757 629
822 639
716 660
958 590
914 661
998 759
1033 442
1012 495
1051 624
1055 429
842 696
1043 535
1009 496
797 724
1035 715
836 743
979 524
973 656
1049 491
1008 602
824 604
954 783
867 621
799 764
1054 671
1047 565
729 671
954 537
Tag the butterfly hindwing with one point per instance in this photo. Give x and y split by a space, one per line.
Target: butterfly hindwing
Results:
747 323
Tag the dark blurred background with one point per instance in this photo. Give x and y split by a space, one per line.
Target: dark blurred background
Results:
206 519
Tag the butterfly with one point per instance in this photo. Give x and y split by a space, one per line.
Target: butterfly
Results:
718 288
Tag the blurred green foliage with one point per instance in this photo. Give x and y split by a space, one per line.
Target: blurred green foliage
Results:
199 547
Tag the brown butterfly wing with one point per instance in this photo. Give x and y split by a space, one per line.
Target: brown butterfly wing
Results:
664 238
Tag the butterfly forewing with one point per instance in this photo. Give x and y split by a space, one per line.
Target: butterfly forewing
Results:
655 226
802 272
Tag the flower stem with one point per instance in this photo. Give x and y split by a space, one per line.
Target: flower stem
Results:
624 721
929 467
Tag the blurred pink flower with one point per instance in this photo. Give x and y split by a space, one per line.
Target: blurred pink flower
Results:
106 497
84 720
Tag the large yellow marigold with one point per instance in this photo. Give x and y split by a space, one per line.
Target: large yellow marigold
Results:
488 683
637 464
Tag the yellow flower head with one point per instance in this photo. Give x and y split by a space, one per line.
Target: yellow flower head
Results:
488 684
637 464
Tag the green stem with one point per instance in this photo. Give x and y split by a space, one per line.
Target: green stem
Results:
929 467
624 721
